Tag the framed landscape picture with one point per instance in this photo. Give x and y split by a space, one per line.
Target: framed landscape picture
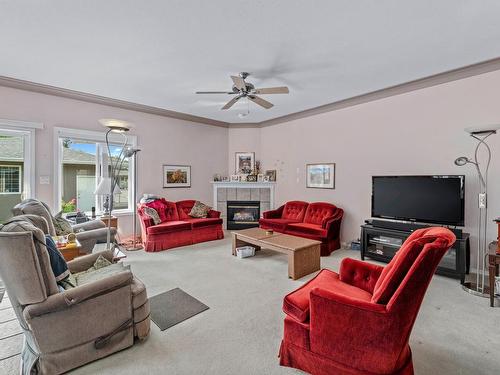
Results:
245 162
176 176
321 176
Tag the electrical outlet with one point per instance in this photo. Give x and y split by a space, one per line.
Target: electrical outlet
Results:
482 200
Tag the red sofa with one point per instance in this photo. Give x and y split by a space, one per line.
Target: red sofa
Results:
317 221
177 228
359 321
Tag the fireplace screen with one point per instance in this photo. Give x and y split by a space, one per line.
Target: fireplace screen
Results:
243 214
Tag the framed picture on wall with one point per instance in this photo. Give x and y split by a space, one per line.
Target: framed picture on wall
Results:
244 162
271 173
320 176
176 176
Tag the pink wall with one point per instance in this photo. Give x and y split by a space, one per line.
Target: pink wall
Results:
242 140
420 132
162 140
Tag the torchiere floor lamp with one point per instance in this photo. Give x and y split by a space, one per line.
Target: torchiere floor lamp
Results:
478 287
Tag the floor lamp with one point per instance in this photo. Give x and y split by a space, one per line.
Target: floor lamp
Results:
132 152
119 127
477 287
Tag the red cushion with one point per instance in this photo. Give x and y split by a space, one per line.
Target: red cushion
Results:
394 273
184 208
294 210
204 222
278 225
159 206
170 211
307 228
169 226
296 304
318 211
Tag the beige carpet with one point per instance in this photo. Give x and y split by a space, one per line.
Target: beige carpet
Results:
455 333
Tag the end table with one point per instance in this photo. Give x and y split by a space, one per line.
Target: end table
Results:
69 251
493 264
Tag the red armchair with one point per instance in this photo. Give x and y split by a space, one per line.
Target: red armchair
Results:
317 221
359 321
177 228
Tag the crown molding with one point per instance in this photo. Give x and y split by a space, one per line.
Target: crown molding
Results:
418 84
97 99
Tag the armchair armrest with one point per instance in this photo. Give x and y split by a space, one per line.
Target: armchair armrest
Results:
214 214
71 297
360 274
145 220
89 225
333 221
274 214
83 263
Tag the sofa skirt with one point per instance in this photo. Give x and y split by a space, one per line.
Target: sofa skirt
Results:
165 241
315 364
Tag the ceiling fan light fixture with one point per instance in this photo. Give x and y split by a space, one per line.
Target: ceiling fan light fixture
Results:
247 90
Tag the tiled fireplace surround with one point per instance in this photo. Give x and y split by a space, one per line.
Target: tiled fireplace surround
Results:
243 191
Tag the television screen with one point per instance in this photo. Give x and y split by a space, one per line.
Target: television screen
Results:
428 199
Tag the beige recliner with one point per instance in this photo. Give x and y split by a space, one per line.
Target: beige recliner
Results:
64 330
88 233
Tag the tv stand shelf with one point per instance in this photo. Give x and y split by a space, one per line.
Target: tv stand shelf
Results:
382 243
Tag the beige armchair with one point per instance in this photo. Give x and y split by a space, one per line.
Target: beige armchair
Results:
64 330
88 234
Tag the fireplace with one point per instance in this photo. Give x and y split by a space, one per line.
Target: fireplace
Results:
243 214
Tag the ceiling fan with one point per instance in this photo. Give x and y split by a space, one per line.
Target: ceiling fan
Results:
244 89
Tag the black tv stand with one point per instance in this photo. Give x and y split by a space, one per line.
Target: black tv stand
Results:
380 242
406 226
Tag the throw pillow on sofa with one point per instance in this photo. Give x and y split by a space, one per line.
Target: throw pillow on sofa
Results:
61 225
159 206
199 210
152 213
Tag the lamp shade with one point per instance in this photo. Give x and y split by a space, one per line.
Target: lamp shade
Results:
104 187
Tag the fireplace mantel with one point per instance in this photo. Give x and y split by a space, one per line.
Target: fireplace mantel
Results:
264 192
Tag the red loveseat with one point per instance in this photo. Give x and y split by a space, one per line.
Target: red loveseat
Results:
359 321
318 221
177 228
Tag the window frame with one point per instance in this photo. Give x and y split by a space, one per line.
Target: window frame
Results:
19 183
27 130
100 139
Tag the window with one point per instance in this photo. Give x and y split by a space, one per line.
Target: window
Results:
17 172
83 160
10 179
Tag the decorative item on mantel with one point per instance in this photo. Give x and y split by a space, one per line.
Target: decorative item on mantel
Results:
244 162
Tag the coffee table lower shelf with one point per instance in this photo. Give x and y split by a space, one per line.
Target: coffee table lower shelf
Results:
303 254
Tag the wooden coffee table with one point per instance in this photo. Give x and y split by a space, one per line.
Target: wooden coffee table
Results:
303 254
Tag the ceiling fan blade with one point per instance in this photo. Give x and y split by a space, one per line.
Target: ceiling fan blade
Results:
272 90
230 103
215 92
239 82
260 101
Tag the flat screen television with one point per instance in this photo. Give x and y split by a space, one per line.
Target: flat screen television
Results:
427 199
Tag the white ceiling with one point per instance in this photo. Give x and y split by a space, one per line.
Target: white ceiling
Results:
158 53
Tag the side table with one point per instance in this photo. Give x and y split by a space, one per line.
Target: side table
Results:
493 264
69 251
112 219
